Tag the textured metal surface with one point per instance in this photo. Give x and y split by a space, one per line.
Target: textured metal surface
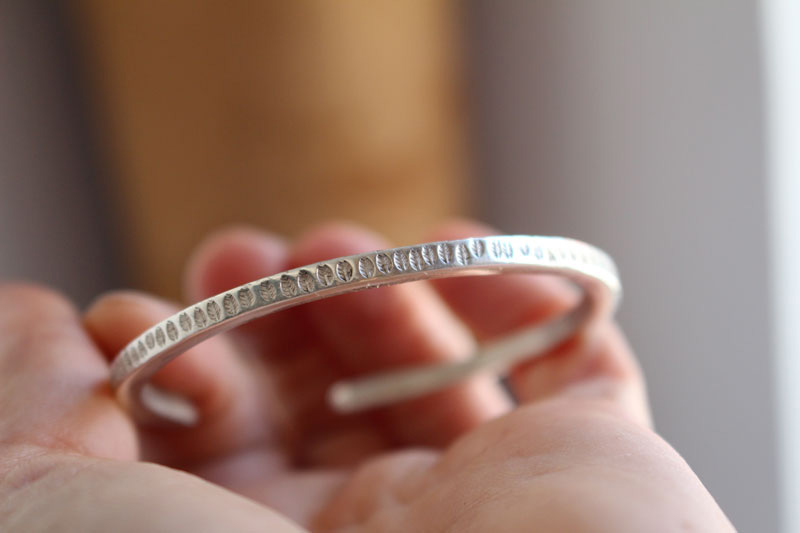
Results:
585 265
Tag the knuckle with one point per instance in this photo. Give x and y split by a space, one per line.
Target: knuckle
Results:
33 317
113 301
28 298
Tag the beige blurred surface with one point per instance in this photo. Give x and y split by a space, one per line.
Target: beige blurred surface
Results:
274 114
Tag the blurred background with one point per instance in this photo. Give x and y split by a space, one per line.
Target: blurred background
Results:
667 133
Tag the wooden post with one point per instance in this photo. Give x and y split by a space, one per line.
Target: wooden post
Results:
278 114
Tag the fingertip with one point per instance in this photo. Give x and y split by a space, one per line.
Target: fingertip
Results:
209 374
111 300
22 298
335 239
461 228
115 317
53 390
508 301
403 325
231 257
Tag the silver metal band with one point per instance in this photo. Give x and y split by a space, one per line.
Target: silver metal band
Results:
588 267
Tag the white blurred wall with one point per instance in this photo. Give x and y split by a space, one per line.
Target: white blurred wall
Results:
781 40
638 125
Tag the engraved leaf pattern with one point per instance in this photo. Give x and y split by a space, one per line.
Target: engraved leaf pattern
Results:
246 298
172 331
160 338
305 280
185 322
288 285
214 311
199 317
429 255
445 252
230 305
150 341
415 259
344 270
267 290
400 261
461 254
477 247
325 275
384 263
366 267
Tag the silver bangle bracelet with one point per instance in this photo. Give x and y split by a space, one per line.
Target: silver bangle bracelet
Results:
588 267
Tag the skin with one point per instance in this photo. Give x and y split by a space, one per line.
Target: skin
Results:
574 451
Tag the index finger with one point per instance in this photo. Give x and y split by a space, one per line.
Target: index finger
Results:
54 381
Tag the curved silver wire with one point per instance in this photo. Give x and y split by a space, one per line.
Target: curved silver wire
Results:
588 267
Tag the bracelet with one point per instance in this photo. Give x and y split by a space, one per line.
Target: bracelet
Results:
586 266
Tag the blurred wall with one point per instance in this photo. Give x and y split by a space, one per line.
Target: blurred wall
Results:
637 125
52 228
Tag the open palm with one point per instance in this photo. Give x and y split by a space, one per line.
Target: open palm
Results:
578 452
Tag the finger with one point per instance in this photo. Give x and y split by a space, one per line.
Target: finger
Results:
598 362
598 365
303 351
211 375
505 302
299 372
399 326
63 492
236 256
232 257
53 379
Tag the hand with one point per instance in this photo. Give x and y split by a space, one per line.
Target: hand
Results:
577 454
